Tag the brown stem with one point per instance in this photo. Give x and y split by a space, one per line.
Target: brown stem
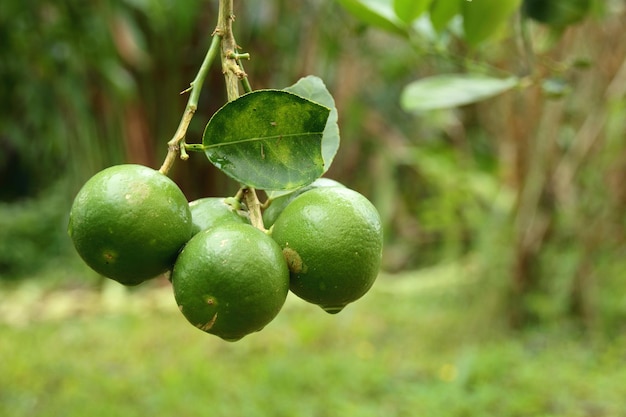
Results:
232 71
233 75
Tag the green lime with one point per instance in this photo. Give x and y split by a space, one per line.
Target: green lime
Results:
211 211
230 280
332 240
278 204
557 13
128 223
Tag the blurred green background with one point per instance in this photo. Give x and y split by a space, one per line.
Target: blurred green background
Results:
503 286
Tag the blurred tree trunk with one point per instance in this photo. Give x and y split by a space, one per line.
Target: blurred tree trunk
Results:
549 175
137 137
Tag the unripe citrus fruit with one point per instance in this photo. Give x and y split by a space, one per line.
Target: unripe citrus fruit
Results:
230 280
557 13
278 204
211 211
332 241
128 223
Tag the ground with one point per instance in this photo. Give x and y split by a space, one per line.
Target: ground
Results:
406 349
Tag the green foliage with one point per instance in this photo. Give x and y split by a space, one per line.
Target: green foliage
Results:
47 60
378 13
268 139
313 88
29 233
442 11
409 10
482 19
70 72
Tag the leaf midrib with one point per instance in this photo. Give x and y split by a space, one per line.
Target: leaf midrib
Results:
254 139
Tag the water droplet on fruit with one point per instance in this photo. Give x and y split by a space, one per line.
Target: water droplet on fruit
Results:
232 339
332 309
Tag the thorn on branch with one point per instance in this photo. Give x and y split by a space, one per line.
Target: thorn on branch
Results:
235 69
235 55
240 73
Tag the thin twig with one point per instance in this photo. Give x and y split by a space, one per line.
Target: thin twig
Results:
173 146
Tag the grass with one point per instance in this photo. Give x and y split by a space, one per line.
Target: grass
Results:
409 348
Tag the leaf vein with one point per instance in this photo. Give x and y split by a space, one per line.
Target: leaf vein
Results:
255 139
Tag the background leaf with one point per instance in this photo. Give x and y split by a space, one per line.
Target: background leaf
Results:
314 89
268 139
409 10
378 13
483 18
442 11
451 90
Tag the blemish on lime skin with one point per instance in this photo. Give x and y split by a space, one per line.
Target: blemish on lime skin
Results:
294 261
109 256
207 326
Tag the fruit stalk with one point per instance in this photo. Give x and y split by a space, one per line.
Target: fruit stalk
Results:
195 87
254 207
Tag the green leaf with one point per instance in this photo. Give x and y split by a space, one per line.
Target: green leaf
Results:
442 11
314 89
378 13
409 10
268 139
452 90
484 18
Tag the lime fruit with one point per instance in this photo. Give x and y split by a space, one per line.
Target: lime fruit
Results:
128 223
557 13
278 204
332 240
230 280
211 211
